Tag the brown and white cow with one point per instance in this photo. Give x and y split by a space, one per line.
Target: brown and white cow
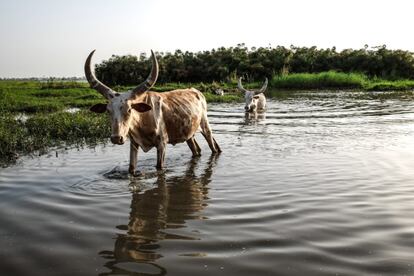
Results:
255 100
152 119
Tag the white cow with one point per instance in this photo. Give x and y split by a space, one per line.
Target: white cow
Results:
219 92
255 100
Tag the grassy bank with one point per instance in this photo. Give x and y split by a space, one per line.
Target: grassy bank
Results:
337 80
323 80
35 97
41 131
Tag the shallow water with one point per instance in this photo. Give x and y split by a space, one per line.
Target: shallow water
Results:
320 186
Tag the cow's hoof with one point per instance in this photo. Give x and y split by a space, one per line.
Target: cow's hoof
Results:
136 174
131 169
132 172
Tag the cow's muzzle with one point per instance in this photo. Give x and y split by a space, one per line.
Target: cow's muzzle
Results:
119 140
248 108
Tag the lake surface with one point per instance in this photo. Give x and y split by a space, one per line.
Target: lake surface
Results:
316 186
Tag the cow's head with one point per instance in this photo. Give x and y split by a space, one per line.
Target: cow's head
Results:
251 97
121 107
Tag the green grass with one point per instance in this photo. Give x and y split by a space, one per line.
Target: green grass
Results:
231 94
63 84
33 97
382 85
338 80
226 98
42 131
322 80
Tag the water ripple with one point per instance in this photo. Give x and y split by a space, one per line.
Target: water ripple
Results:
315 186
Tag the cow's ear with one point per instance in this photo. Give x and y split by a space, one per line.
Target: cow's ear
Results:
98 108
141 107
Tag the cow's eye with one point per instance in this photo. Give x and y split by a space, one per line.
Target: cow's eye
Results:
129 110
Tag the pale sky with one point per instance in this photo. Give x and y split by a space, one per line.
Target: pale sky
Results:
43 38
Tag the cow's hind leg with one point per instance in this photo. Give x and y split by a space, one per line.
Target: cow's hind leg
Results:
208 135
160 156
193 145
197 146
217 146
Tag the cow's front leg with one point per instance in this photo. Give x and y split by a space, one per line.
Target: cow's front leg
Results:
160 156
133 156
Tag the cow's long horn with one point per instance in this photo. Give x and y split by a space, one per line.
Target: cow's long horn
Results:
263 89
94 82
150 81
240 86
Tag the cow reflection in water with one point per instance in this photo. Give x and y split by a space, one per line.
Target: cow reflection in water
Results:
254 117
174 200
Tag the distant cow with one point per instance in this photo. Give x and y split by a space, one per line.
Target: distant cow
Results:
152 119
219 92
255 100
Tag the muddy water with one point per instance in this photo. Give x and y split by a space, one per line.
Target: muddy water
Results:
320 186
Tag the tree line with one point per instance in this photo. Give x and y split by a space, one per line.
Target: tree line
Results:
226 64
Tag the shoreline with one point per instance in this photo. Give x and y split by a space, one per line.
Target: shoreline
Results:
34 116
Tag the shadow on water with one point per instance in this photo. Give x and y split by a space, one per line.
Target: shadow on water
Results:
173 201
